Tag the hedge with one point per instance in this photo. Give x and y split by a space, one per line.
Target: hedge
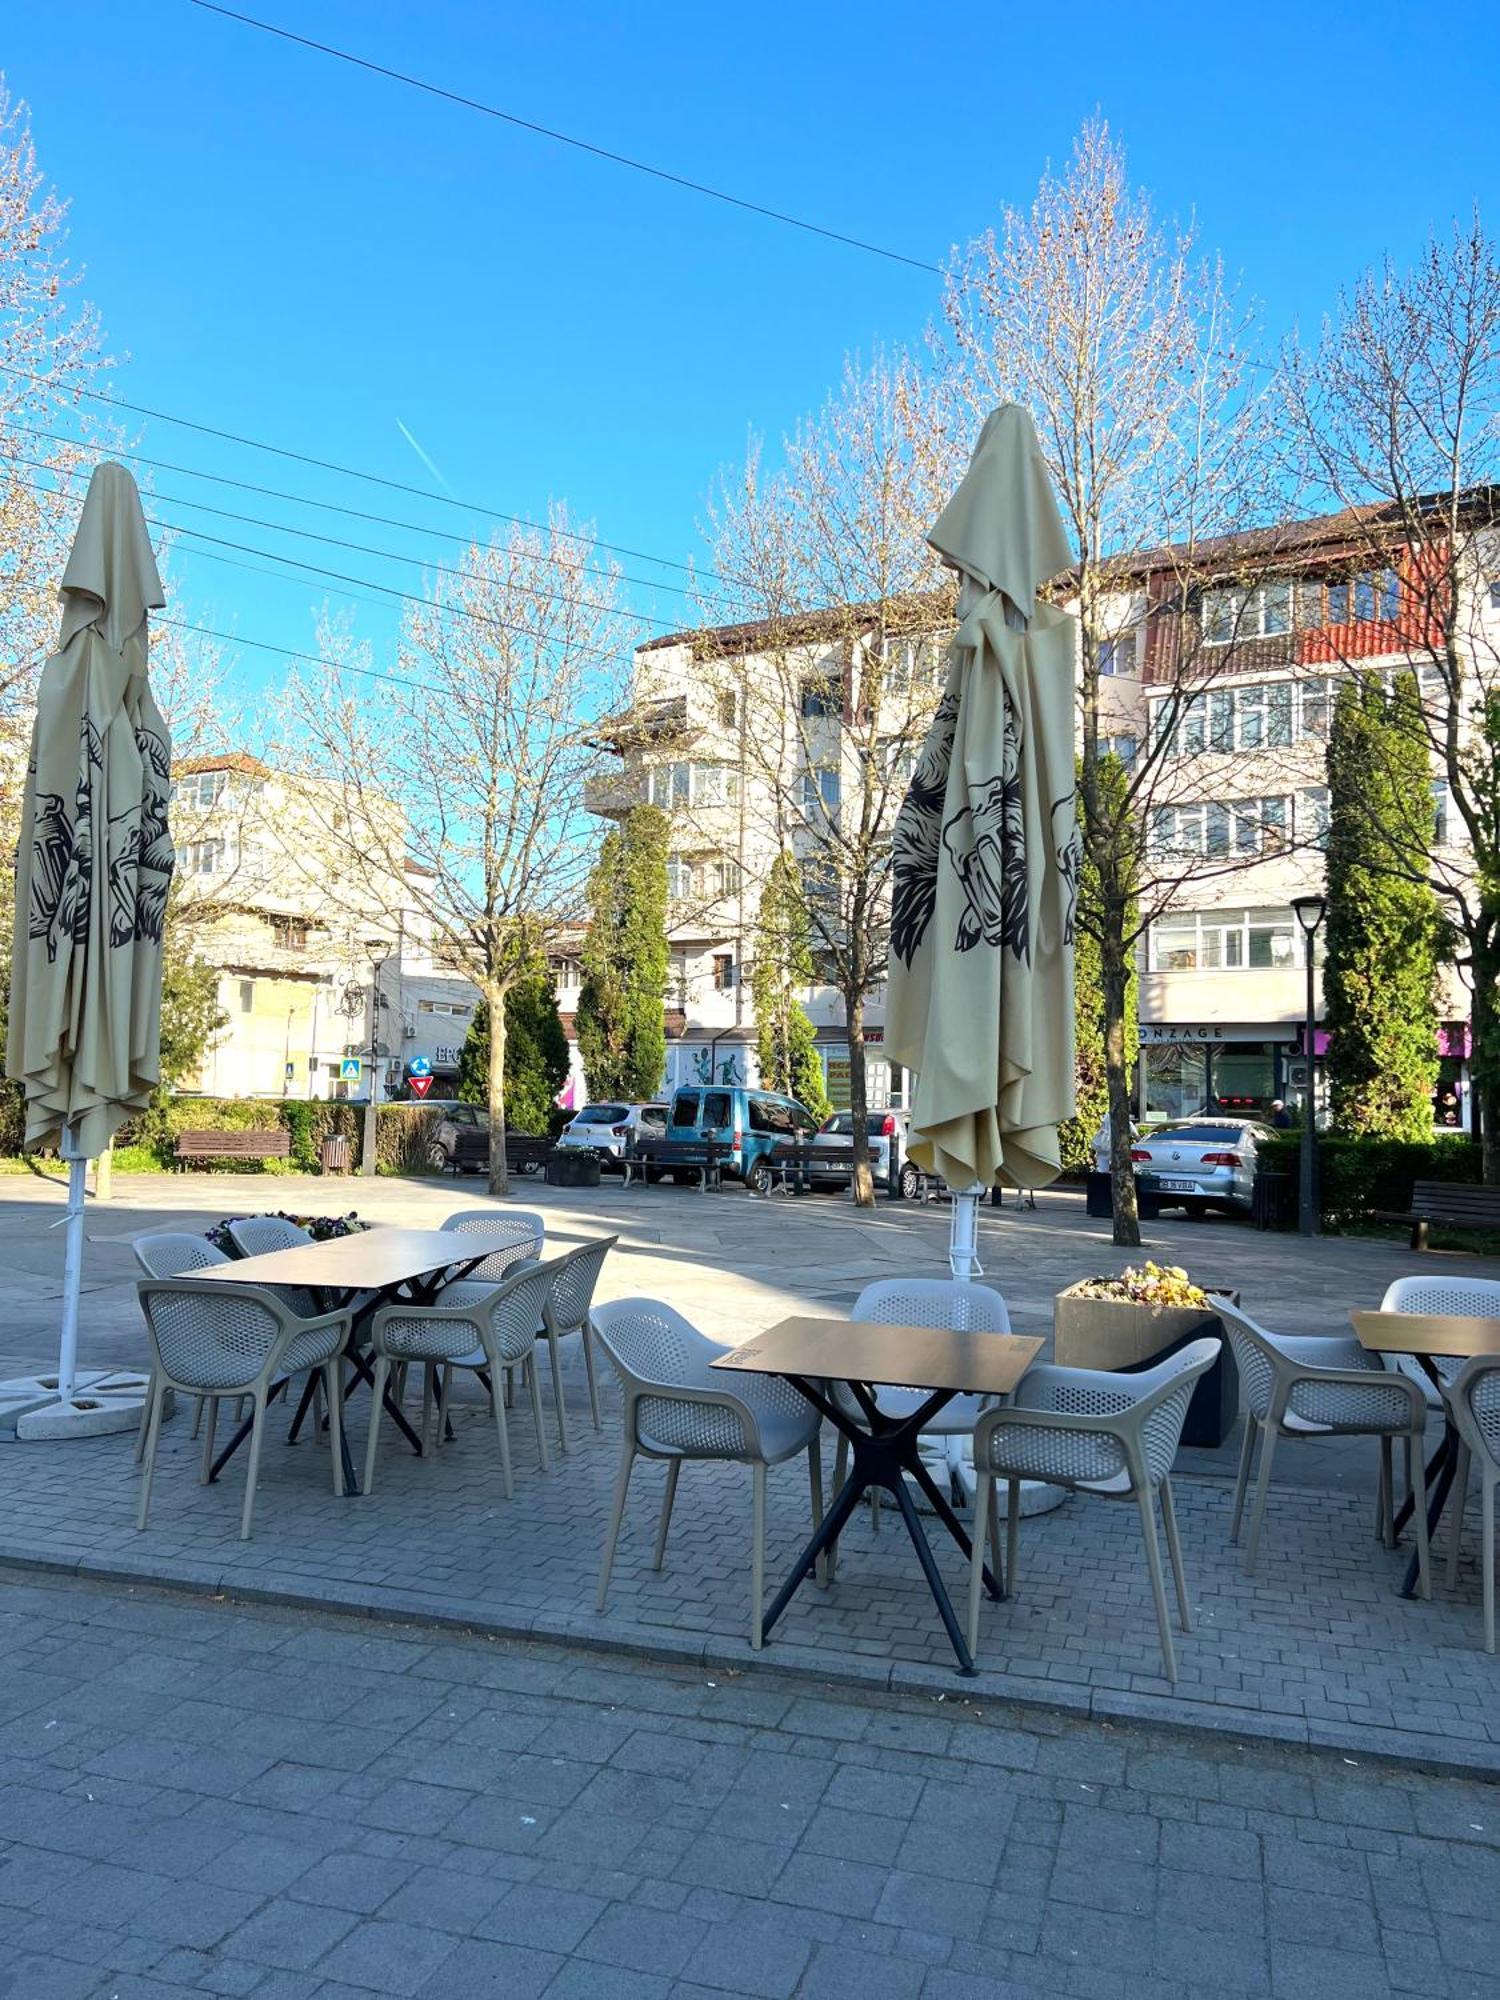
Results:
401 1130
1361 1177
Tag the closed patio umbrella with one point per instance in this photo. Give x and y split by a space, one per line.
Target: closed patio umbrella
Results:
986 851
92 873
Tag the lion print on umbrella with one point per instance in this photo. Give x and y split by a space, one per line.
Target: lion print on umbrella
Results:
140 853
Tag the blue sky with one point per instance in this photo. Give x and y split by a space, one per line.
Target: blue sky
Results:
293 250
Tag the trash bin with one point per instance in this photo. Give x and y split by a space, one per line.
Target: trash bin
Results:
1271 1200
571 1166
338 1154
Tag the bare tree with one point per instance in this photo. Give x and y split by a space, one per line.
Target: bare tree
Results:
835 679
1391 417
1128 350
458 792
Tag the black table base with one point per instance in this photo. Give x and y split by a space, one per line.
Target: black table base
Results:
884 1454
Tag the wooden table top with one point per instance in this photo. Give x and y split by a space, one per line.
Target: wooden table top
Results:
369 1260
915 1357
1426 1333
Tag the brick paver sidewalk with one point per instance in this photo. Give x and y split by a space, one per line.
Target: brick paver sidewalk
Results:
1317 1647
204 1798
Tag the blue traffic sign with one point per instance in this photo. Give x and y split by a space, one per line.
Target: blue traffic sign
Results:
419 1066
349 1069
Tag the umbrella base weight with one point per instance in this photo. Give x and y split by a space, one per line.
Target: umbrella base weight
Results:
103 1401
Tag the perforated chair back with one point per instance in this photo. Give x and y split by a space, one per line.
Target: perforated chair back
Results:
1475 1394
937 1302
168 1253
1441 1295
259 1235
653 1346
519 1233
572 1292
220 1338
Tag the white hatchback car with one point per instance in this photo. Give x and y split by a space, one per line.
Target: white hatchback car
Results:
608 1128
1200 1163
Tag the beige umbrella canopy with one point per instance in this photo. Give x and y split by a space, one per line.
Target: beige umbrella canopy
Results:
93 866
986 852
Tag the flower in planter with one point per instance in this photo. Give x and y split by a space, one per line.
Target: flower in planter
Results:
1151 1285
321 1228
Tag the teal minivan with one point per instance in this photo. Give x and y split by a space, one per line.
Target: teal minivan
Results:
747 1123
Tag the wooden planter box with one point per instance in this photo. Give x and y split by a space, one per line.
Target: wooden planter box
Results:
1119 1335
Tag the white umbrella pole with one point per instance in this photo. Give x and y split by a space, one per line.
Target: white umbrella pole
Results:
963 1235
67 1357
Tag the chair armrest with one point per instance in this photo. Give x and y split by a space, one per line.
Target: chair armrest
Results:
712 1399
1360 1378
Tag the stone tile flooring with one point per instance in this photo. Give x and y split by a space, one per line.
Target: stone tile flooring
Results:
200 1797
1317 1647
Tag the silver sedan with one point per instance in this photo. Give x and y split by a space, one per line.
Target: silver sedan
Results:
1200 1163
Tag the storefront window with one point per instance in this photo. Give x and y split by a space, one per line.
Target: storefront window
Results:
1176 1080
1448 1096
1244 1076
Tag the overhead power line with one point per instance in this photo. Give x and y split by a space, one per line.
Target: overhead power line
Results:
305 500
357 548
569 139
353 472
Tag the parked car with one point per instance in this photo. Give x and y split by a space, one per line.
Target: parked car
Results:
1200 1163
746 1123
838 1130
608 1128
455 1140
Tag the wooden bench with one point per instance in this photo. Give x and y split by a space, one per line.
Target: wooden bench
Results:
827 1163
525 1153
673 1156
1451 1204
273 1144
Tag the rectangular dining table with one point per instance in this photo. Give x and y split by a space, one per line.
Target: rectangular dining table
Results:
413 1262
809 1352
1428 1338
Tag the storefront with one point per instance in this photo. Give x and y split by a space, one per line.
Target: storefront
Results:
1189 1068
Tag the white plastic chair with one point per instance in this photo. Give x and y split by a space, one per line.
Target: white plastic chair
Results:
677 1407
258 1236
519 1233
493 1331
568 1310
1473 1396
1303 1387
168 1253
1442 1296
235 1340
1112 1435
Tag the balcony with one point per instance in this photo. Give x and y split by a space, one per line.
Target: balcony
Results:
613 794
647 725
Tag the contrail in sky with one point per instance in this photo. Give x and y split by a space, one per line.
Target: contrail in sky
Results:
425 459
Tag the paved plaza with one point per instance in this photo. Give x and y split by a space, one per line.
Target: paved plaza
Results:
1317 1649
211 1798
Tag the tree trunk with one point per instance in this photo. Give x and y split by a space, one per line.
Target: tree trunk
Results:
1114 979
499 1178
859 1103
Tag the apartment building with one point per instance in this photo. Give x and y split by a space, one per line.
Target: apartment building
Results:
314 966
1231 675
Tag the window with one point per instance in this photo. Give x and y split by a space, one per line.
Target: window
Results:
673 786
820 792
1117 654
679 877
1164 725
247 995
1192 732
201 788
1221 719
721 876
1222 941
1313 816
1439 813
685 1108
455 1009
911 663
768 1114
723 971
669 786
822 695
289 933
1123 747
1495 593
1377 595
205 857
1232 616
717 1110
729 711
1313 702
1279 714
1251 705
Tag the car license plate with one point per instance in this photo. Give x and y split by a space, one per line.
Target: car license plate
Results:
1178 1187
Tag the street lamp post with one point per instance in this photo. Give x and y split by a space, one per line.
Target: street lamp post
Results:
377 951
1309 912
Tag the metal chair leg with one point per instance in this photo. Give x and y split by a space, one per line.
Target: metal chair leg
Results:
1158 1582
377 1405
1242 1480
659 1553
757 1551
1174 1550
153 1431
1262 1491
616 1516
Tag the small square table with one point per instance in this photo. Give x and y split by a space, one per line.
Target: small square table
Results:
1427 1337
370 1260
807 1352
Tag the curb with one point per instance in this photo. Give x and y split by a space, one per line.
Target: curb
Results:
1437 1756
